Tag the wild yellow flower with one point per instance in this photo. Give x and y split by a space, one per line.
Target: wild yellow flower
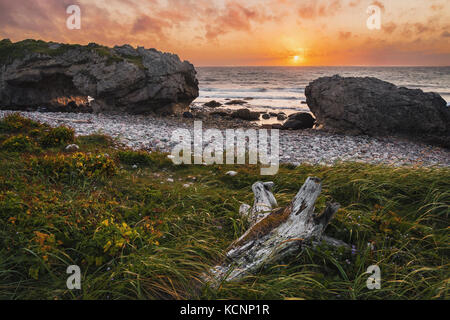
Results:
107 246
120 243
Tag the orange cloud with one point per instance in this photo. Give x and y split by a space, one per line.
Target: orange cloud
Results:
254 32
314 9
149 24
235 17
379 4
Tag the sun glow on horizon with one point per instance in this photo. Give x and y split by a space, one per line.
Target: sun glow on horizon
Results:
296 60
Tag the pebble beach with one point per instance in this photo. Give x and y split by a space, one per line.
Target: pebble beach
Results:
296 147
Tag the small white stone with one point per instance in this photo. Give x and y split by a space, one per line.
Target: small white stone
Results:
170 180
72 147
231 173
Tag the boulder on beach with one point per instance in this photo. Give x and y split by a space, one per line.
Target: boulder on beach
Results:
212 104
59 76
246 114
375 107
299 121
281 116
220 113
236 102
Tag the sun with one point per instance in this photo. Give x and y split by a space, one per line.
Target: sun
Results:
297 59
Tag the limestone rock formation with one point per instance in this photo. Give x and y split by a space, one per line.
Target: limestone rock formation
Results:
375 107
36 74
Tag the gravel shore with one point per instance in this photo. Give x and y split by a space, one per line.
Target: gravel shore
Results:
310 146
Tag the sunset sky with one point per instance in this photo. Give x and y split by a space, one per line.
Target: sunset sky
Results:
251 32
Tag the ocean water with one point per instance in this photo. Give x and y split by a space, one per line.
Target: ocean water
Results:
283 88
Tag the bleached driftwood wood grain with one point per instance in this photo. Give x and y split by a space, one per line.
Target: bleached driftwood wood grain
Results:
275 234
264 203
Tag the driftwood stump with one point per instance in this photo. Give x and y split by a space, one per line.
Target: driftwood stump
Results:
275 234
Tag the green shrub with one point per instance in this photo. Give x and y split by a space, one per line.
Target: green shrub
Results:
58 136
10 205
35 133
14 122
114 237
146 159
77 165
95 140
19 143
135 158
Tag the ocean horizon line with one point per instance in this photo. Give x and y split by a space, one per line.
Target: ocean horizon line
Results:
317 66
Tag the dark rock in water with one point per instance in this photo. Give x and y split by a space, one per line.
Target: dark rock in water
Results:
188 115
220 113
299 121
281 116
371 106
236 102
266 116
246 114
40 74
212 104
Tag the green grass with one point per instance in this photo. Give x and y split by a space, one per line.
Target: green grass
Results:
10 51
137 236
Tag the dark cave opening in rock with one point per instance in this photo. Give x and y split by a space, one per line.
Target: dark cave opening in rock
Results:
51 92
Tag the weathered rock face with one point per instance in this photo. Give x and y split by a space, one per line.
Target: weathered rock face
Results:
371 106
37 74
